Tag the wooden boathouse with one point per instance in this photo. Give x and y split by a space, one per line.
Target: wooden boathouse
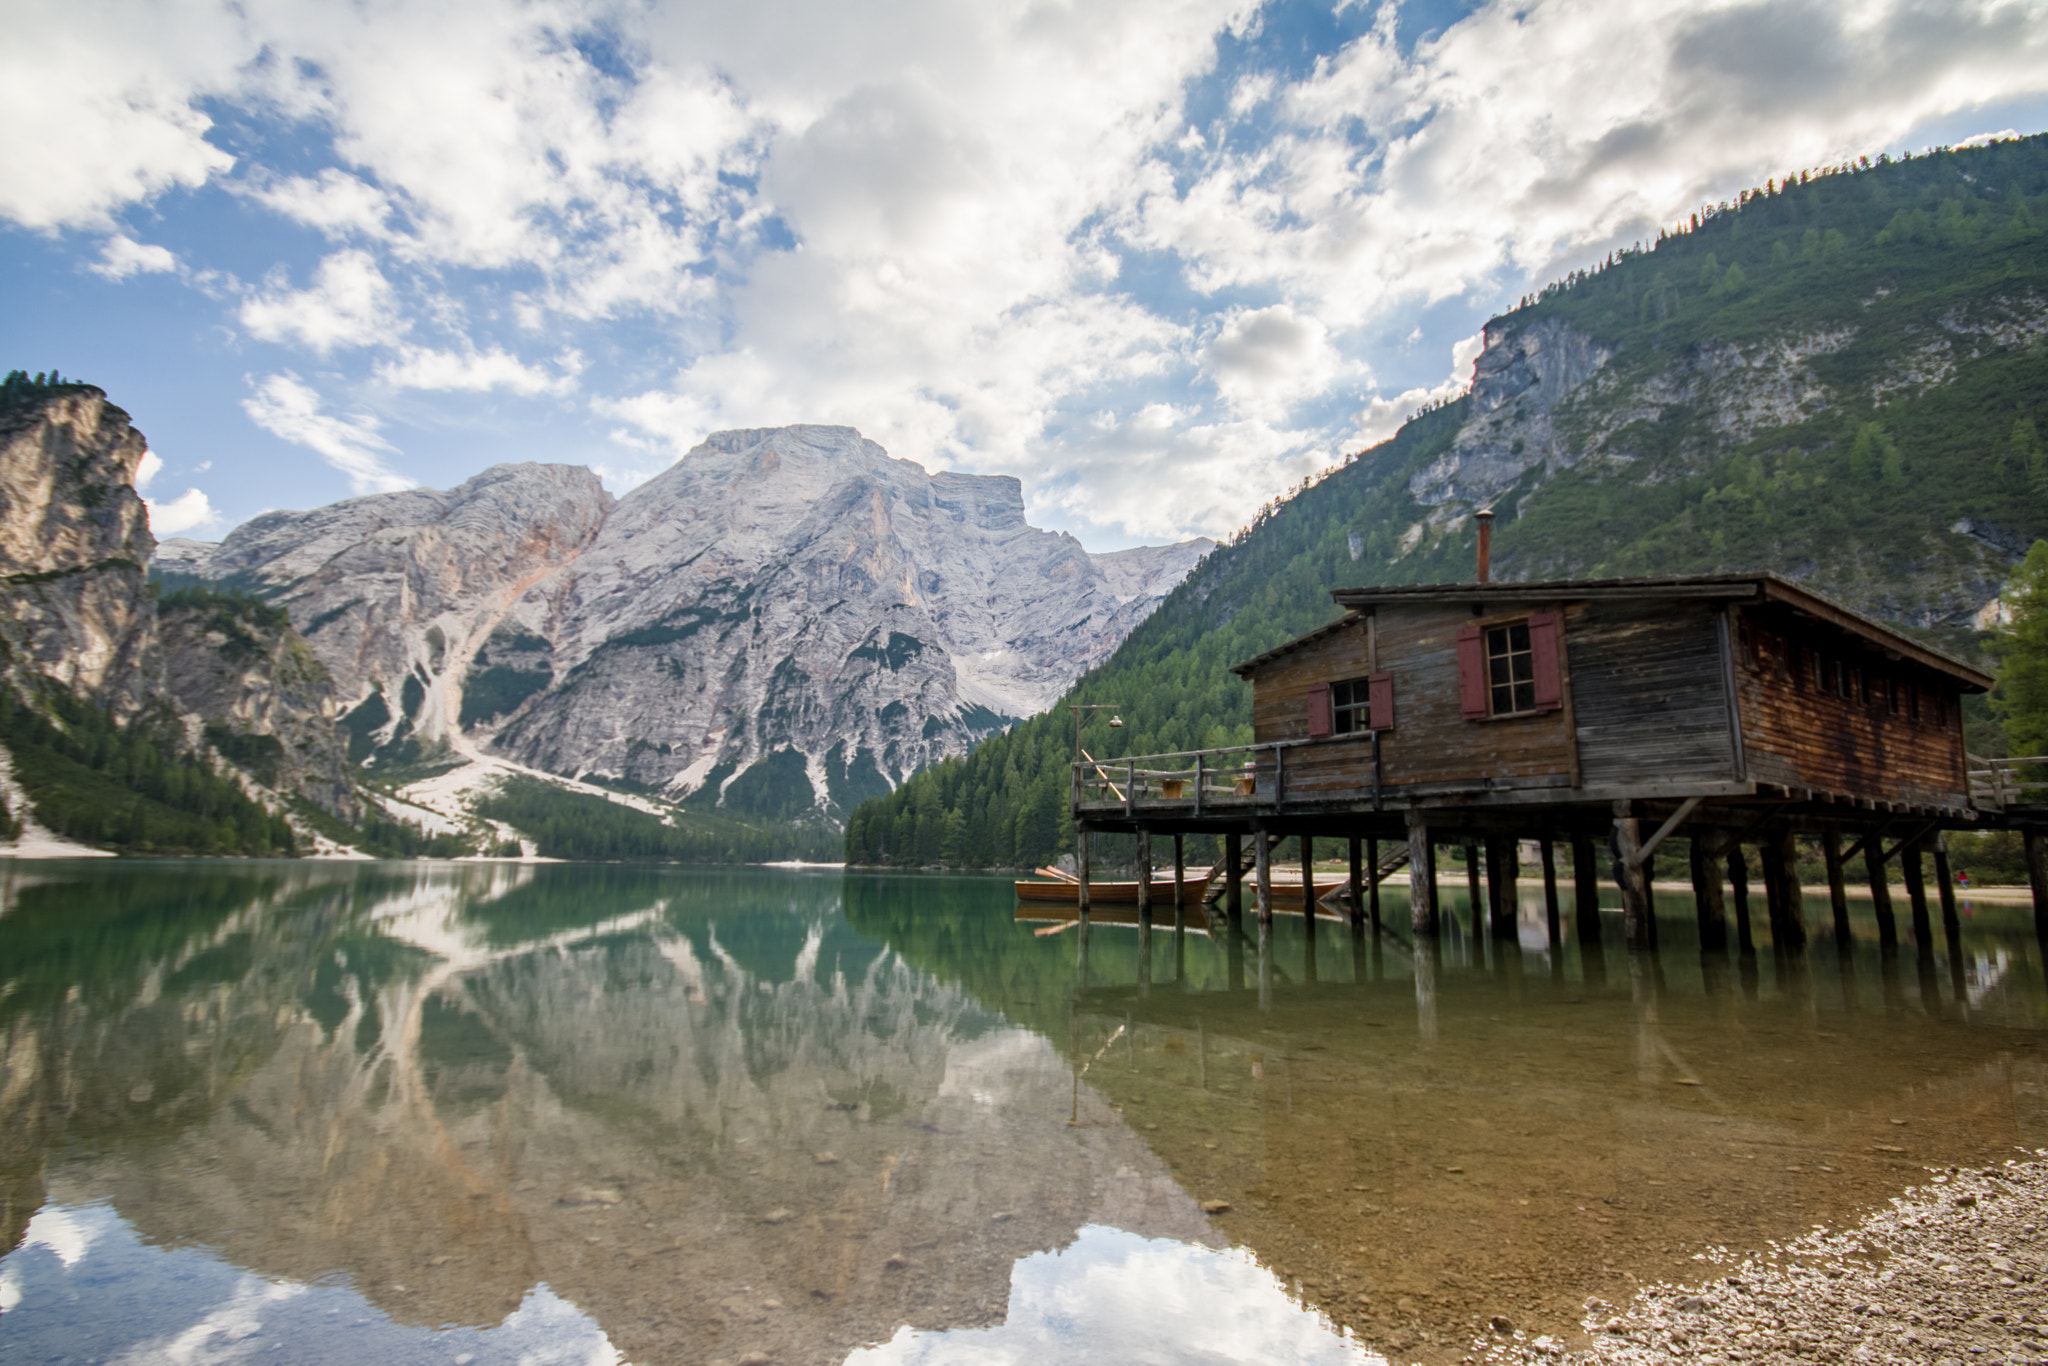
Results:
1738 710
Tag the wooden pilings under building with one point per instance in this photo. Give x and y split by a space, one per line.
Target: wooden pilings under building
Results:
1737 713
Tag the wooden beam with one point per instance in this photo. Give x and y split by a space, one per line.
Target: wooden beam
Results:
1081 863
1945 884
1262 855
2037 878
1916 897
1706 897
1880 896
1686 808
1475 896
1356 884
1585 891
1738 880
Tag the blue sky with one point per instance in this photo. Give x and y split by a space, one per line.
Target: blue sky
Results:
1160 259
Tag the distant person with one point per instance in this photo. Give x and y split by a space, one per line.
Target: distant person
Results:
1963 880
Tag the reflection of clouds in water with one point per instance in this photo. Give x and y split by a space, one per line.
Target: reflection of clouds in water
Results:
83 1286
1114 1297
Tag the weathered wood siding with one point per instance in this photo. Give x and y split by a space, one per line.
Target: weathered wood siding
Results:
1431 741
1649 694
1798 733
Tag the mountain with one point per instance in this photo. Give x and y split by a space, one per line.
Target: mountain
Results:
1842 377
123 724
783 623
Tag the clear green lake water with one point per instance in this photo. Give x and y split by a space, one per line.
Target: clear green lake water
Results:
301 1112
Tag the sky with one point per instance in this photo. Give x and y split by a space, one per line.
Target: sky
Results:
1159 259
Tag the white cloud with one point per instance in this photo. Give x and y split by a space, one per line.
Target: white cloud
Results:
335 202
189 511
1264 361
478 371
286 407
123 256
152 465
349 304
100 100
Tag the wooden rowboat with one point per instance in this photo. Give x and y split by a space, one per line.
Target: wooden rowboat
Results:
1126 893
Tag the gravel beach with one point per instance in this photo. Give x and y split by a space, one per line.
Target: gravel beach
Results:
1954 1271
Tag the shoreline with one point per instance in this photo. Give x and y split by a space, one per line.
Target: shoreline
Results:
1951 1270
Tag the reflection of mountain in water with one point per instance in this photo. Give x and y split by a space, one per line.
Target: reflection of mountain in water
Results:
699 1107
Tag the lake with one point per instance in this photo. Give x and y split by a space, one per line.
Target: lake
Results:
316 1112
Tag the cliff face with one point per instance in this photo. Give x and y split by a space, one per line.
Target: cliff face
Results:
75 546
409 586
80 617
260 697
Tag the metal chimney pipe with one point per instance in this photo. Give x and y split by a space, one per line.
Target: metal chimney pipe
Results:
1485 519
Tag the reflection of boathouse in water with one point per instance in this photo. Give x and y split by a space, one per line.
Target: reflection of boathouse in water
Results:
1737 710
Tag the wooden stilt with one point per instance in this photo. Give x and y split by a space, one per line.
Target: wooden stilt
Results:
1372 891
1357 885
1706 896
1262 862
1549 855
1945 888
1631 877
2037 876
1838 889
1422 878
1180 881
1781 888
1233 854
1475 895
1503 853
1914 867
1738 883
1081 866
1880 892
1308 883
1585 891
1144 877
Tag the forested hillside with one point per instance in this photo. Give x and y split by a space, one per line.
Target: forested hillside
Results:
1842 377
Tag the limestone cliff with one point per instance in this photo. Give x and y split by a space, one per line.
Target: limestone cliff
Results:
74 544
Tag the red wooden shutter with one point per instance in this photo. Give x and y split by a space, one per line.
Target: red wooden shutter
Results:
1543 654
1382 698
1318 711
1472 672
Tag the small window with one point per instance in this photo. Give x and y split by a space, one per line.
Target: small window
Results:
1913 702
1510 670
1351 707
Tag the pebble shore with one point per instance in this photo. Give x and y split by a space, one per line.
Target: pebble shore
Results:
1954 1272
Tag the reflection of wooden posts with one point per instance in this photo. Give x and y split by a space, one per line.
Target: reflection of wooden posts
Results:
1632 877
1263 863
1915 869
1738 884
1422 877
1880 891
1356 851
1838 889
1475 896
1233 878
1945 887
1706 896
1550 917
1180 879
1585 891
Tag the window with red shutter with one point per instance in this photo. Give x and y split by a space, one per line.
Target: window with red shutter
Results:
1381 687
1543 648
1472 673
1318 711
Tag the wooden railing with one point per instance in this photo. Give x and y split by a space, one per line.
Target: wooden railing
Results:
2005 782
1195 780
